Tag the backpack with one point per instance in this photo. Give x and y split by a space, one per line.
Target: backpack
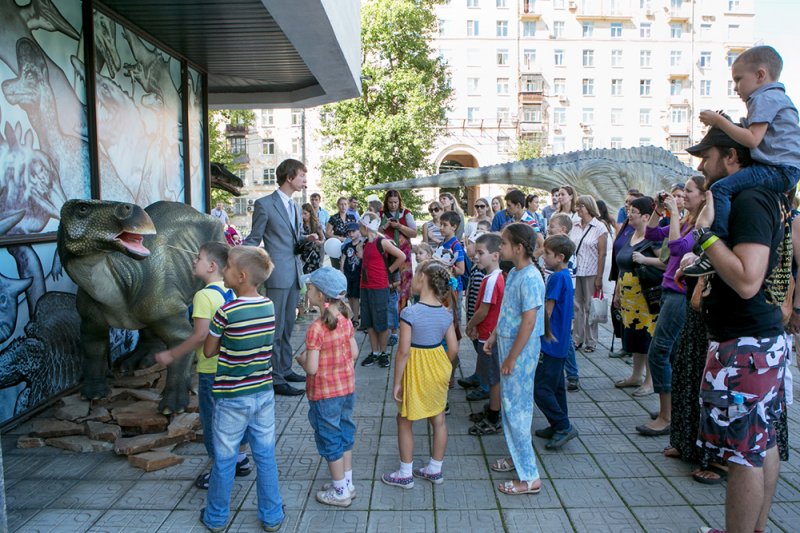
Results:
467 265
227 294
394 277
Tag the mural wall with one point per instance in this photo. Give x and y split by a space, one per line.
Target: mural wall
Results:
44 160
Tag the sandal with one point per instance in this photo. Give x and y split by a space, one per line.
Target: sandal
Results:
721 474
587 349
626 384
484 427
510 488
503 465
202 481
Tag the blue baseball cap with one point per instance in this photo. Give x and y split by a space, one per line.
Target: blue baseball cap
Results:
328 281
351 226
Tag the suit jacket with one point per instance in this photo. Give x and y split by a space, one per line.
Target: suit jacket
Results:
271 226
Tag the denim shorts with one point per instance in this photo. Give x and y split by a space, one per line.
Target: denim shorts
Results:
334 429
375 309
488 365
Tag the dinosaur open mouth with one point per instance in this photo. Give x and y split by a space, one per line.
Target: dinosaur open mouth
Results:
133 243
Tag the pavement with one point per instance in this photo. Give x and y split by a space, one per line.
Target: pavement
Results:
608 479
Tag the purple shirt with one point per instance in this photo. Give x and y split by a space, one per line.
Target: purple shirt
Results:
677 249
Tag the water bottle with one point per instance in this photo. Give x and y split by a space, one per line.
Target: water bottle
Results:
737 409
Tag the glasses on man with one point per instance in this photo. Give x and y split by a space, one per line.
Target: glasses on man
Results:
480 206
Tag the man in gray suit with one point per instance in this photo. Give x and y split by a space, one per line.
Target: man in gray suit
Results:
278 224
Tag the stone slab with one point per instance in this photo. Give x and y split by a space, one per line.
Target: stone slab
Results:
401 522
71 408
92 495
134 382
151 461
129 521
469 521
79 444
183 424
605 520
333 521
30 442
101 431
143 443
50 427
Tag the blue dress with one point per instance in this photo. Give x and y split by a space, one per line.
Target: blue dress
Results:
524 290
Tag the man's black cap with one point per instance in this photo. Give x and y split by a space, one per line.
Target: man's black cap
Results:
714 137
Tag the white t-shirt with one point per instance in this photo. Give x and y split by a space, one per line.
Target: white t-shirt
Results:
586 256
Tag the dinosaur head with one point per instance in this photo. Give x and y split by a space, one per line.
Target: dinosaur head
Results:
99 227
25 90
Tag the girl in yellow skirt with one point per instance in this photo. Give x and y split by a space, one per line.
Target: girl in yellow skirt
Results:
422 372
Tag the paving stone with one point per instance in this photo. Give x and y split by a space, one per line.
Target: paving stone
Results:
100 431
114 468
388 498
36 493
151 461
297 445
669 466
610 519
194 404
50 427
587 493
546 499
294 494
158 495
191 448
387 445
468 521
25 443
79 444
16 518
463 445
69 466
662 519
697 493
247 522
63 520
648 491
401 521
571 466
785 515
785 492
196 498
71 408
464 467
626 465
537 519
92 495
607 444
457 494
186 522
129 521
297 467
333 521
606 395
147 395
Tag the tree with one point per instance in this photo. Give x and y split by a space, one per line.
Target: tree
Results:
388 133
528 148
218 146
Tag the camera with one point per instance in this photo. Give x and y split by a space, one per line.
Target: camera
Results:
662 195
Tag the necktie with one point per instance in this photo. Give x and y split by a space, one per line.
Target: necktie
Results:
293 214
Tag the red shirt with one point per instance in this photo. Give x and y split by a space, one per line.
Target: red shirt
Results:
373 268
491 292
335 376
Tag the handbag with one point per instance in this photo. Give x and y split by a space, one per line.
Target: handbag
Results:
598 311
650 279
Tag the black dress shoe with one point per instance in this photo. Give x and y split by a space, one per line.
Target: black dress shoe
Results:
294 377
284 389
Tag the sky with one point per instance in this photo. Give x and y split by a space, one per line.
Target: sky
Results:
776 24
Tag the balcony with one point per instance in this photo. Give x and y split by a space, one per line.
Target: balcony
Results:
679 72
531 97
529 11
679 14
532 127
240 159
608 10
236 129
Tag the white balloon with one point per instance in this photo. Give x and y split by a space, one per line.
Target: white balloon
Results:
333 248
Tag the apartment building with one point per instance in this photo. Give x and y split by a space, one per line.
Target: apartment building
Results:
580 74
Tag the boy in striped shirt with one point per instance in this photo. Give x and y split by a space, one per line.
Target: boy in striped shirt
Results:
241 333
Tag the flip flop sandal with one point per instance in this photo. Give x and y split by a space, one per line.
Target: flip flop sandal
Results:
202 481
625 384
721 475
588 349
510 488
484 427
503 465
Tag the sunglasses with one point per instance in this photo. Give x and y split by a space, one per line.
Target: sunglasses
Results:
480 206
434 210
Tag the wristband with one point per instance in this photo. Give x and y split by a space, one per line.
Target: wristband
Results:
710 240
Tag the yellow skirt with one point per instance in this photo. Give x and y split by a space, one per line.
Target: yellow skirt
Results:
425 382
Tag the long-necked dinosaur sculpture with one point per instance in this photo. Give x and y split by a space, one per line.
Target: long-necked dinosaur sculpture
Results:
606 174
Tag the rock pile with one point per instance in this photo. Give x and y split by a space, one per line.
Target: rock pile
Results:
127 421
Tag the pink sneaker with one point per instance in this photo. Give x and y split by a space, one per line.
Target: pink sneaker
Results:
396 480
436 479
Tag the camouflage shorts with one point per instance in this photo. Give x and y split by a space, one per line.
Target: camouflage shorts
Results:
753 368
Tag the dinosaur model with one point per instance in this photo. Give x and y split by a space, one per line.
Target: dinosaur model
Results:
606 174
133 269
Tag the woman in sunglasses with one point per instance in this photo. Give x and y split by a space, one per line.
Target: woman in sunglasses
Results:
482 213
430 230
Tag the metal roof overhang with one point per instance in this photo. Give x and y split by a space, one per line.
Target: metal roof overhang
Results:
260 53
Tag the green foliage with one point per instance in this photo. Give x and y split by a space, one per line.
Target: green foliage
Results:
527 148
388 133
218 145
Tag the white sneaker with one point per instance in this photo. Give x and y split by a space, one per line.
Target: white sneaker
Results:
329 486
329 497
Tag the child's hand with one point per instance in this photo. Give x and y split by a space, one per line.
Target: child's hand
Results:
397 393
164 357
706 216
471 332
710 118
508 366
488 345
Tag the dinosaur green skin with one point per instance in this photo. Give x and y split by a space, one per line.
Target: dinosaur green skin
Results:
606 174
133 268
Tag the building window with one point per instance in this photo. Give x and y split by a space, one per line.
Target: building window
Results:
645 141
733 5
645 4
268 146
267 118
587 86
587 30
501 3
644 58
705 59
616 87
616 142
528 28
675 58
645 30
503 144
705 87
678 116
531 113
502 86
616 58
297 115
558 4
558 29
473 28
616 30
472 3
675 87
559 116
296 147
644 117
531 84
502 57
442 27
473 57
588 58
678 143
559 145
472 86
503 115
616 116
587 143
237 145
560 87
733 32
529 58
558 57
705 32
269 176
731 88
502 28
587 116
472 116
644 87
676 30
731 57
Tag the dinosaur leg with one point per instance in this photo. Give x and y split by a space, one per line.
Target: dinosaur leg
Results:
94 341
175 397
142 356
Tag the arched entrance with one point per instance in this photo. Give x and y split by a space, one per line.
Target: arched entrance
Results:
457 160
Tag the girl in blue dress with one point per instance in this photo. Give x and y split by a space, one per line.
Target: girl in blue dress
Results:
518 336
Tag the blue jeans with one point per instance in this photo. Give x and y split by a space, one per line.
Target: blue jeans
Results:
665 339
393 316
774 178
550 391
252 416
570 363
332 422
206 402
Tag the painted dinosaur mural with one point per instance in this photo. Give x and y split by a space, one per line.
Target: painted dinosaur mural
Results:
606 174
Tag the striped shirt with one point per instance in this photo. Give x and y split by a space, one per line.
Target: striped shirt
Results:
244 366
475 277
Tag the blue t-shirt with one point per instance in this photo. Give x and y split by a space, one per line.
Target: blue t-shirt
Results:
524 290
781 143
455 247
559 289
500 220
